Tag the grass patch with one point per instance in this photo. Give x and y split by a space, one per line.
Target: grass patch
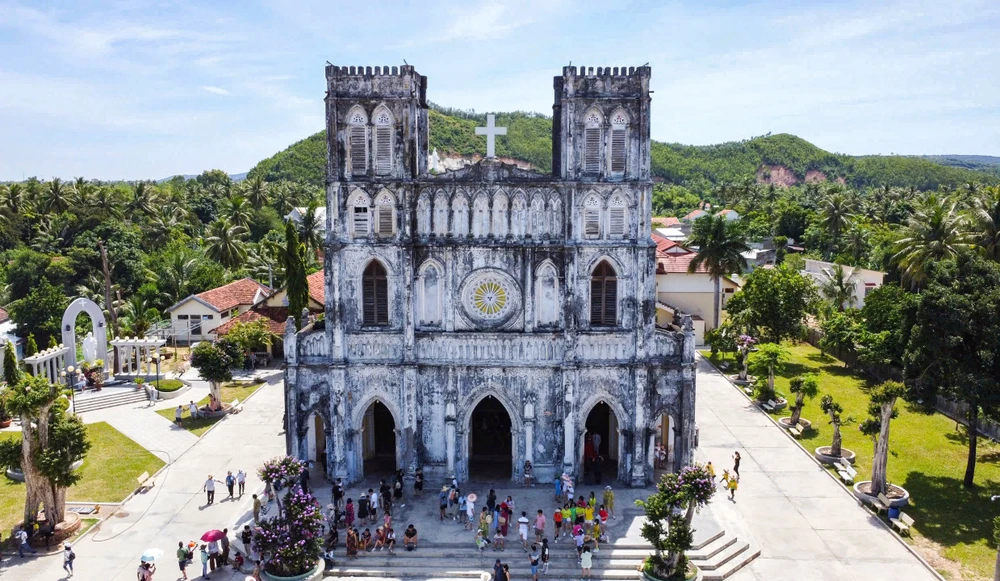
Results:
108 473
927 457
167 385
230 391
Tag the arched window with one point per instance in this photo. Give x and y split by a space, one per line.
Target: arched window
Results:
357 142
375 295
592 217
441 208
424 214
617 224
429 307
518 215
460 215
537 222
619 142
481 216
592 123
385 206
546 295
383 141
555 216
604 296
499 214
359 208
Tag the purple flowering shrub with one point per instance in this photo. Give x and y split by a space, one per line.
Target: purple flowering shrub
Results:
292 542
669 512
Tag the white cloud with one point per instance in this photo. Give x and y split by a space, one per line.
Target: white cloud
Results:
215 90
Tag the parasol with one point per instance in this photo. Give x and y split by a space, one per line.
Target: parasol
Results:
212 535
151 555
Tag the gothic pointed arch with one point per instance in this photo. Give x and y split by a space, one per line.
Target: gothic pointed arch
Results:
604 295
618 222
547 294
538 223
460 214
424 214
430 282
518 214
593 210
442 208
481 215
385 213
555 215
499 220
618 151
359 213
593 136
374 295
357 142
382 143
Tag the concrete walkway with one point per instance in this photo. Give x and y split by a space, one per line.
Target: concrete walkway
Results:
805 523
175 510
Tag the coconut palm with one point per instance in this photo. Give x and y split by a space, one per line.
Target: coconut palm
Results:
225 243
237 210
138 315
173 280
933 233
720 249
143 198
283 198
836 211
257 191
106 201
838 286
310 229
15 198
856 242
986 219
59 196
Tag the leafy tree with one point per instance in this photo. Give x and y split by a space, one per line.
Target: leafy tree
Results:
310 228
881 410
24 271
41 311
59 197
720 251
836 212
955 341
986 221
251 335
51 442
936 232
833 410
838 286
139 315
841 331
225 243
769 358
31 346
238 211
11 371
802 386
295 274
773 304
214 365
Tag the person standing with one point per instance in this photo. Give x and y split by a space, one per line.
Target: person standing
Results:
734 483
497 570
545 555
586 561
527 473
256 510
539 526
443 501
22 543
373 514
204 561
609 500
736 463
193 409
182 559
225 548
230 483
534 558
68 557
418 482
470 511
209 488
241 480
177 416
247 537
557 482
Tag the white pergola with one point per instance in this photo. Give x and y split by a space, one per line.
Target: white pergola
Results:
49 363
132 353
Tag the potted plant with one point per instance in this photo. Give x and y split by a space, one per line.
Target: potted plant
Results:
669 512
291 543
835 451
881 411
802 386
139 381
744 345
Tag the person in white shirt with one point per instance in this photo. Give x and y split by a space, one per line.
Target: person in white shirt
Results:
522 529
209 488
470 512
193 408
241 480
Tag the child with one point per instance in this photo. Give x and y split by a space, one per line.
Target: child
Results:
592 501
379 539
545 555
238 562
366 541
499 541
734 483
481 542
586 560
588 515
603 513
578 537
711 471
390 540
567 518
557 520
598 533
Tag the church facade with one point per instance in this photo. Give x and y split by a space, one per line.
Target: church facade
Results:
484 317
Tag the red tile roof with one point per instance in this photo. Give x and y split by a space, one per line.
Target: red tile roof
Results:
663 244
695 214
317 288
275 318
4 317
676 263
240 292
667 222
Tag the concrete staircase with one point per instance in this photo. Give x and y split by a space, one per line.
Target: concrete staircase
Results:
100 401
719 555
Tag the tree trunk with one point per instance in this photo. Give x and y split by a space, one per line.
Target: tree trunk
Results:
835 447
717 310
38 489
970 466
996 568
797 411
770 378
881 457
216 390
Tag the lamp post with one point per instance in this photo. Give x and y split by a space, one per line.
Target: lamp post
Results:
69 376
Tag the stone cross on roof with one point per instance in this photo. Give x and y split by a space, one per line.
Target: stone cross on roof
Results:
491 131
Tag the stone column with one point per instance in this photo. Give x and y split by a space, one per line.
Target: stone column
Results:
450 428
639 428
529 426
569 424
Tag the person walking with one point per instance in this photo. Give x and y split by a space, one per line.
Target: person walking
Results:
213 555
204 561
418 482
182 559
230 483
470 510
22 543
711 471
736 463
349 513
373 501
734 483
522 530
545 555
224 541
247 537
68 557
497 570
534 558
209 488
443 501
177 415
241 480
256 509
609 501
193 409
338 493
586 561
539 526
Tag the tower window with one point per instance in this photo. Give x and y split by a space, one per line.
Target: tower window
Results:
375 296
359 214
383 142
592 217
592 143
357 142
604 296
619 142
385 222
616 217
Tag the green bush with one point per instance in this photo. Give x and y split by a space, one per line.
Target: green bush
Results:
168 385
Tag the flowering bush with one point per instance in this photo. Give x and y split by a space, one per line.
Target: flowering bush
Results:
669 512
744 343
281 470
291 544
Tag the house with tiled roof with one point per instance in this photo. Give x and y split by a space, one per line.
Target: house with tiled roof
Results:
196 317
665 222
728 214
273 310
693 293
694 215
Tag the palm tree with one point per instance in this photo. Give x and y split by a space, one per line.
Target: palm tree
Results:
237 209
59 196
986 217
15 198
283 198
933 233
836 213
107 202
143 198
174 279
139 316
225 245
720 250
257 191
838 287
856 242
310 229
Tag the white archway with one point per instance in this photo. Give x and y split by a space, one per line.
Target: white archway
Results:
100 329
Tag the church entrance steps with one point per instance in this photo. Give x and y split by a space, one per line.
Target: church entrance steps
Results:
723 557
109 400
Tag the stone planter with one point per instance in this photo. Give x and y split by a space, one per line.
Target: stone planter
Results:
693 573
780 403
316 573
786 423
162 395
823 455
898 496
17 475
741 382
4 424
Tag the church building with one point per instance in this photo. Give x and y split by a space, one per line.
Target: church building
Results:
480 318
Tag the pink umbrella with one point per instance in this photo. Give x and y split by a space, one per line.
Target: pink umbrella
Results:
212 535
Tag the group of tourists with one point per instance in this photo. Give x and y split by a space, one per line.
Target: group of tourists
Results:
373 508
231 481
730 480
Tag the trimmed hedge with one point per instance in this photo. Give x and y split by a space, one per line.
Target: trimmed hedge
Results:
168 385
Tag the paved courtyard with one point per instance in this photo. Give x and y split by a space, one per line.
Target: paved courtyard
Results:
805 523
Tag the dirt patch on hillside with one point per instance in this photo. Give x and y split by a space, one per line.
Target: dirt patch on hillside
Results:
778 175
814 176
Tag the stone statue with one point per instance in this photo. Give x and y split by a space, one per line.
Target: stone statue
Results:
90 348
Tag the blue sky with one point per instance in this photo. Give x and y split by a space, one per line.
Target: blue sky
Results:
133 89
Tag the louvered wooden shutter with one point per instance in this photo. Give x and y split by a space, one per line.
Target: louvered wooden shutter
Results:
383 150
360 221
375 296
385 221
592 150
368 300
618 151
616 222
610 311
596 300
592 223
381 301
359 155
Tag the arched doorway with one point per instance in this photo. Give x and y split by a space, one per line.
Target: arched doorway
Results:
490 441
600 445
663 446
378 440
316 441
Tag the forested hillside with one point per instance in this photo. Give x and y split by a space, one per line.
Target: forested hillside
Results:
701 169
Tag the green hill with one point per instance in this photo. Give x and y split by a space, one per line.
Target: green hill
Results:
782 158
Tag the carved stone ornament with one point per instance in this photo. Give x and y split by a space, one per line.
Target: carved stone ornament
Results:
490 297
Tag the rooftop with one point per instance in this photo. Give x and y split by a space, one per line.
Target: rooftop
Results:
234 294
4 316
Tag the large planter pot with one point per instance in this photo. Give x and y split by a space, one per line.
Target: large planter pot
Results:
4 424
786 422
692 574
172 394
17 475
741 382
902 497
823 455
316 573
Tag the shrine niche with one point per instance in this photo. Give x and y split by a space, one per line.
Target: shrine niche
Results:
96 342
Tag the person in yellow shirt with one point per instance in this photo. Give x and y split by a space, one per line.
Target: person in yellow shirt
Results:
711 471
588 516
567 518
734 483
609 500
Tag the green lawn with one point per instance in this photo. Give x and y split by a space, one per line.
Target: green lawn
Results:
927 457
230 391
108 473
